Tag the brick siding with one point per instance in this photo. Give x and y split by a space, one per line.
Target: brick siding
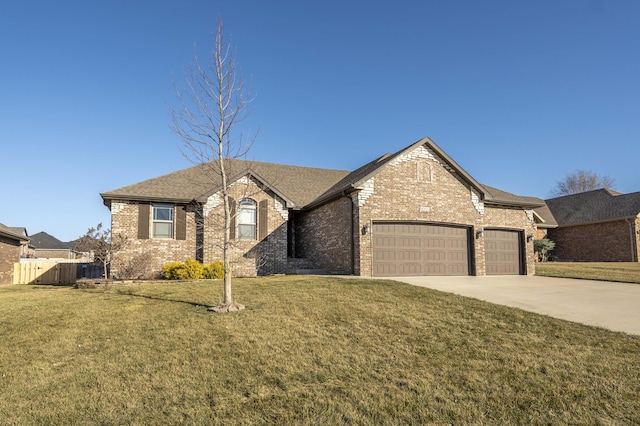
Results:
54 254
248 258
9 254
541 233
324 236
396 194
615 241
155 252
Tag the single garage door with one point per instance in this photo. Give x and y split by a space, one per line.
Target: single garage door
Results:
502 252
403 249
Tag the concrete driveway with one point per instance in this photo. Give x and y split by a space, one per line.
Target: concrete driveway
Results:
615 306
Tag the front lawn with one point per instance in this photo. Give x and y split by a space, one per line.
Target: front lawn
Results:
627 272
307 350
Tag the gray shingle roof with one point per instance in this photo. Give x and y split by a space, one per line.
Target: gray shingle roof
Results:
299 186
547 217
497 196
44 241
15 233
600 205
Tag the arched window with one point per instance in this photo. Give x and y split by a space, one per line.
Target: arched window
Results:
247 219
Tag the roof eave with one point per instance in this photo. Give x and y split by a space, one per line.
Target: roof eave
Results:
108 198
327 199
546 225
595 222
15 237
513 204
249 172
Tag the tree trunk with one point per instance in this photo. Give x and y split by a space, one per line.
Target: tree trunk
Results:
106 271
227 299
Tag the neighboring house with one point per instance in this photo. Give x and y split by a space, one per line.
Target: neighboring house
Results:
544 222
14 244
596 226
49 247
415 212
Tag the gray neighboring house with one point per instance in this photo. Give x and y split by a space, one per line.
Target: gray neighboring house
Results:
14 244
595 226
49 247
413 212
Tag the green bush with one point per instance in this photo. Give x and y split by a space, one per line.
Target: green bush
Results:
192 270
542 248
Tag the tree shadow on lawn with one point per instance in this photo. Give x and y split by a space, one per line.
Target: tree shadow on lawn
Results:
42 286
162 299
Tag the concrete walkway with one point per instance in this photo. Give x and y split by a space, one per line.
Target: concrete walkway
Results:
615 306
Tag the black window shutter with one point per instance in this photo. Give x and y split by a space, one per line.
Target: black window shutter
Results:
263 219
181 223
232 209
143 221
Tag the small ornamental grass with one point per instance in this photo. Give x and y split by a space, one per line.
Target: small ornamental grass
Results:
192 270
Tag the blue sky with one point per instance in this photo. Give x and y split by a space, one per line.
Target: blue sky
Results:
518 93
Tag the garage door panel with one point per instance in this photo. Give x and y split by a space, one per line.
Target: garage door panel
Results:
409 256
385 255
419 249
502 252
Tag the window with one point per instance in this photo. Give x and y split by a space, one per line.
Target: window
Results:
162 221
247 220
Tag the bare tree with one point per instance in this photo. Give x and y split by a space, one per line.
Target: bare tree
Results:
582 181
101 244
213 100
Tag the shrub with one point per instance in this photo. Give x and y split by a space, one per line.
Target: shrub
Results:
169 270
189 270
192 270
543 247
214 270
135 267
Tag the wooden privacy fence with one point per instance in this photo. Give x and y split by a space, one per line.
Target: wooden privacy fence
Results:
46 272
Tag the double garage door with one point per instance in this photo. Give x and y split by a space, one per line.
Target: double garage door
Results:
405 249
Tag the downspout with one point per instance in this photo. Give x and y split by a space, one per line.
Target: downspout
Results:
632 237
353 236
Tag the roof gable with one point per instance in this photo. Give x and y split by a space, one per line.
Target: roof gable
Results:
359 176
44 241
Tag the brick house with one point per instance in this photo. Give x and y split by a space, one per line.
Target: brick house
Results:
14 243
596 226
544 222
415 212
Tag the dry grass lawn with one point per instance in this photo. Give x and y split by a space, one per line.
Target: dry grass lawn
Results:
308 350
627 272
